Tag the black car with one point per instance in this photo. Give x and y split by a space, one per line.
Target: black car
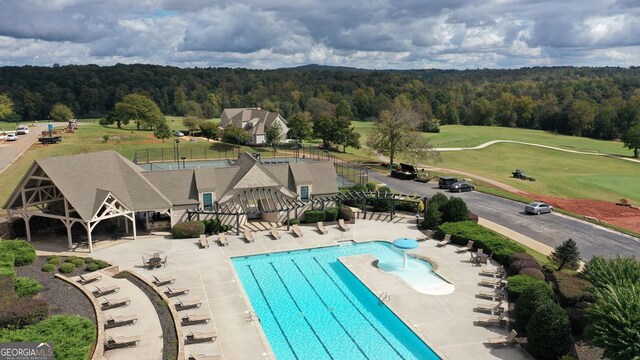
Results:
445 181
460 187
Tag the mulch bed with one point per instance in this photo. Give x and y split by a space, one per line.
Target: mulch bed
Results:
169 336
62 297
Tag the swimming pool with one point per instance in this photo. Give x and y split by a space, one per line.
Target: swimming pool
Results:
311 307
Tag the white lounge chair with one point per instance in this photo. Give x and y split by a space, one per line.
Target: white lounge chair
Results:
342 225
493 282
222 239
493 295
163 280
492 320
170 292
426 236
492 272
296 230
115 321
491 308
187 304
248 235
121 341
204 243
113 303
89 278
321 229
446 241
191 319
274 232
468 247
504 340
101 291
196 337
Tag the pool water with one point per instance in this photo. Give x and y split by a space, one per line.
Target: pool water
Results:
311 307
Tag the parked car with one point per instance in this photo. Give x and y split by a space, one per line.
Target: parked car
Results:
538 208
12 137
178 134
460 187
445 181
22 129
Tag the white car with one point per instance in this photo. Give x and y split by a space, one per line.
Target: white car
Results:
12 137
22 129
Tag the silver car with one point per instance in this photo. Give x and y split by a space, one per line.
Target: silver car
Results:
538 208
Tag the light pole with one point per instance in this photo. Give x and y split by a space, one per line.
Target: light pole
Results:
178 152
183 158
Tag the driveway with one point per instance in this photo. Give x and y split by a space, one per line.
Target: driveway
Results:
11 150
550 229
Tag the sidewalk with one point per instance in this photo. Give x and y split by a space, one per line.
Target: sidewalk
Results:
522 239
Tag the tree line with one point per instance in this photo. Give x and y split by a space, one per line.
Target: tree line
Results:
602 103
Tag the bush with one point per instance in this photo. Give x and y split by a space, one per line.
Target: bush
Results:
55 261
187 229
473 217
225 228
91 267
528 302
48 268
71 258
500 246
615 271
23 252
25 286
331 214
571 289
294 221
433 218
235 135
359 187
578 319
67 268
313 216
371 186
454 210
408 206
88 260
16 312
77 262
517 284
548 332
212 226
520 256
6 265
534 273
345 213
102 264
514 269
379 205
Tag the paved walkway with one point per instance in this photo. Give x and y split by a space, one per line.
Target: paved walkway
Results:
209 276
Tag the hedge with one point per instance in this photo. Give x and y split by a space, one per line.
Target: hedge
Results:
25 286
571 289
534 273
500 246
520 256
23 252
529 301
313 216
345 213
187 229
517 266
331 214
548 332
16 312
517 284
67 268
212 226
294 221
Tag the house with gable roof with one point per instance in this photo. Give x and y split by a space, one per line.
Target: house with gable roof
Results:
255 121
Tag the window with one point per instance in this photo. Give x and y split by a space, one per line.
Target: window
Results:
207 201
304 194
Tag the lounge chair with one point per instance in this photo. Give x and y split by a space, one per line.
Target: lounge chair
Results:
493 282
163 262
342 225
426 236
204 357
89 278
204 243
296 230
445 242
121 341
491 308
115 321
196 337
101 291
321 228
504 340
187 304
222 239
191 319
114 303
163 280
248 235
493 295
170 292
274 232
469 247
492 272
491 320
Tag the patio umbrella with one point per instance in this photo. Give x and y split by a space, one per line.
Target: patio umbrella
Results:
405 244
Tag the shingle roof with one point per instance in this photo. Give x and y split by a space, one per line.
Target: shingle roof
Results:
177 185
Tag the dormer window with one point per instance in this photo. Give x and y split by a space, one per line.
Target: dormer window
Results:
304 193
207 201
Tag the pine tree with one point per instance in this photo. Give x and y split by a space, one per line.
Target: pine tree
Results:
566 254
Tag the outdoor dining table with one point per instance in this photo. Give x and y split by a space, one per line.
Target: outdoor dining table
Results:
155 262
476 257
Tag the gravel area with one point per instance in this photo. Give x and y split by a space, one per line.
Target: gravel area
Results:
62 297
169 336
588 352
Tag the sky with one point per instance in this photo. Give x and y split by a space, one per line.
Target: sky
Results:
370 34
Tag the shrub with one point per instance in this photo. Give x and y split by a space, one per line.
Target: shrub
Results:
371 186
359 187
345 213
91 267
294 221
53 258
55 261
102 264
212 226
515 268
331 214
313 216
454 210
437 200
534 273
225 228
77 262
48 268
71 258
379 205
187 229
529 301
500 246
571 289
25 286
520 256
235 135
519 283
88 260
548 332
407 206
6 265
473 217
23 252
67 268
578 319
433 218
615 271
16 312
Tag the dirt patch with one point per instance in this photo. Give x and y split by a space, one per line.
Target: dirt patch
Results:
622 216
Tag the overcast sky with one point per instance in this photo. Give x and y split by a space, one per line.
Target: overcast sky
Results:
373 34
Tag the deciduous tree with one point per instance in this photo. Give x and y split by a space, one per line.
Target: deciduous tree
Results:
6 106
300 127
162 131
631 139
209 129
140 109
274 135
61 112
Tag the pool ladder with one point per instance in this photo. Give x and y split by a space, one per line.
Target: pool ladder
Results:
252 316
383 298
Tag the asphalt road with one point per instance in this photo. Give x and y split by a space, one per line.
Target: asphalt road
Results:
550 229
11 150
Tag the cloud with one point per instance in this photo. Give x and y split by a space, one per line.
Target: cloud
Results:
360 33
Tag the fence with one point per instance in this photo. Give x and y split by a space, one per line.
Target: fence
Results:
348 173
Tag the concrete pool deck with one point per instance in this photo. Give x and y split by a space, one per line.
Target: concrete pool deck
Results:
444 322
